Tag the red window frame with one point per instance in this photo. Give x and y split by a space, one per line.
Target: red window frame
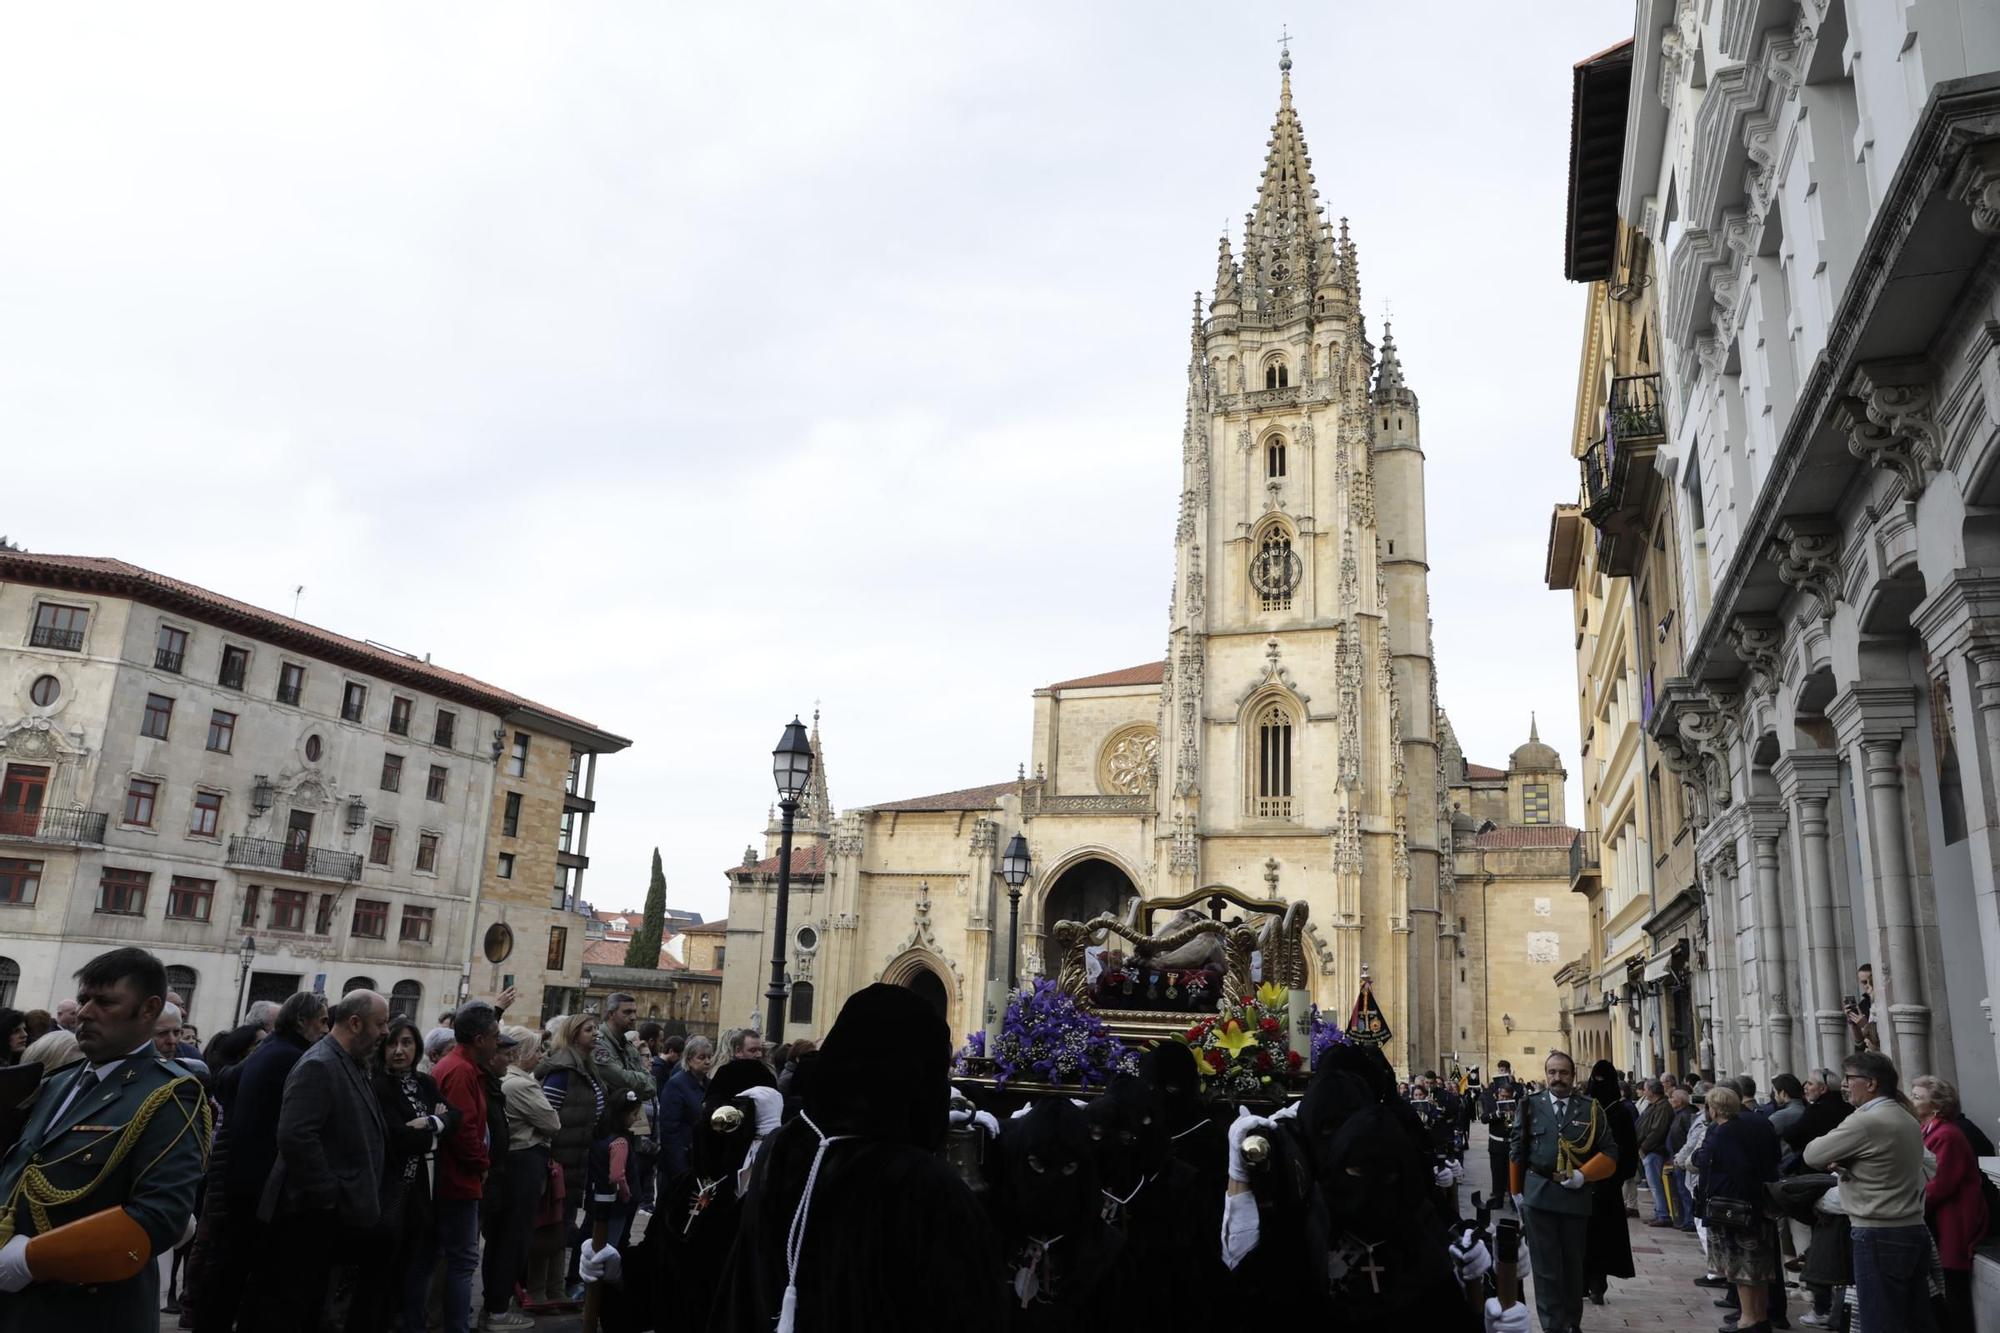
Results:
141 805
221 731
416 925
371 919
288 910
381 845
158 719
205 816
122 892
20 881
190 899
392 772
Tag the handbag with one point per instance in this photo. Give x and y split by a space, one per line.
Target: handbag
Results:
549 1208
1737 1214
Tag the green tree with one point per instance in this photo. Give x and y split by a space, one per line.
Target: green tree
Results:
644 950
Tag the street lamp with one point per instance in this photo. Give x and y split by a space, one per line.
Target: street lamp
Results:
791 768
247 955
1014 867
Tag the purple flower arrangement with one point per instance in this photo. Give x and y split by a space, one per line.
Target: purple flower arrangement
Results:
1046 1037
1326 1034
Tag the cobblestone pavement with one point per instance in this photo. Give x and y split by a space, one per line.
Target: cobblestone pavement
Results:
1662 1296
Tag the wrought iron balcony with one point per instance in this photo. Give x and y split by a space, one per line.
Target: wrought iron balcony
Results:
1583 859
1598 497
288 694
62 640
77 826
296 859
1633 412
165 659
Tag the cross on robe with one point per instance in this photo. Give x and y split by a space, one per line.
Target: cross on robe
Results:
1374 1272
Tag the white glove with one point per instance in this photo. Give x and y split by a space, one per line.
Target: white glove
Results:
1520 1205
1244 1125
595 1265
1443 1178
1291 1112
1457 1171
985 1120
1513 1319
1471 1258
14 1273
1575 1181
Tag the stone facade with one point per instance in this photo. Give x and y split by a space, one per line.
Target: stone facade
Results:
188 773
1288 743
1811 187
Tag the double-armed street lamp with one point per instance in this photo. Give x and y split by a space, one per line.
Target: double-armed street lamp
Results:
791 769
1014 867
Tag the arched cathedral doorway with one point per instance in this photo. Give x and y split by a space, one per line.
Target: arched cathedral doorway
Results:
930 986
1090 887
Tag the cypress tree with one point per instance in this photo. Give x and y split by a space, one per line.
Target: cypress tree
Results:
644 950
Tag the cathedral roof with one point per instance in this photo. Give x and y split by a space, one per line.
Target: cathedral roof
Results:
808 860
1523 835
1152 673
611 953
968 798
1484 771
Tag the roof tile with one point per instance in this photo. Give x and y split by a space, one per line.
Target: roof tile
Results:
1152 673
967 798
1525 835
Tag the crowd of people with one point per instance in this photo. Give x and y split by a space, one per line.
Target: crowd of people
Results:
1872 1197
327 1165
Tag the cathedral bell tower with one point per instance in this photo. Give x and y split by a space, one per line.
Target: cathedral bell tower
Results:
1297 713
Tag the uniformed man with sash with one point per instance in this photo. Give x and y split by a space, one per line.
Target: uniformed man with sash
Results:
1561 1144
103 1176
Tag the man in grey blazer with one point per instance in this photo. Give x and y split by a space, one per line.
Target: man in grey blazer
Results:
326 1187
1561 1145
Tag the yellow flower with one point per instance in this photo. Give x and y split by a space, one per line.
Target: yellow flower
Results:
1232 1037
1272 996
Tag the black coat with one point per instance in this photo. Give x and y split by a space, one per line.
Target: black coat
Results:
1743 1157
1607 1250
405 1143
251 1123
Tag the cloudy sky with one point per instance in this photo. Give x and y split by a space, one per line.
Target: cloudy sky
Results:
685 366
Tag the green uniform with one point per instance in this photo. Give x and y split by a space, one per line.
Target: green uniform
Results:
66 1167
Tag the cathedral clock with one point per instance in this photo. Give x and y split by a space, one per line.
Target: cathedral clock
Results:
1276 571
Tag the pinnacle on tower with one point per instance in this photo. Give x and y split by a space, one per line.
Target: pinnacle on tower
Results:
1280 235
1389 386
1226 292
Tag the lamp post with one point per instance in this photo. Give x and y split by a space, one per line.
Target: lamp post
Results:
1014 867
246 956
791 768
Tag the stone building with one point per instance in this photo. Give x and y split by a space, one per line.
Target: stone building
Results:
1815 189
1288 743
266 805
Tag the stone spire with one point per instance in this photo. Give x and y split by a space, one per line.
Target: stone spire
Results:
816 807
1281 237
1389 386
1225 278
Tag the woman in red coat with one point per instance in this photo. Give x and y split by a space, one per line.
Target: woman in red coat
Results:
1953 1204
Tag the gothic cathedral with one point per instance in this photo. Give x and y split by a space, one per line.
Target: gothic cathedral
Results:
1289 743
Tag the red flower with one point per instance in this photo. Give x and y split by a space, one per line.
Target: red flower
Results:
1249 1000
1263 1059
1193 1035
1269 1025
1216 1059
1294 1059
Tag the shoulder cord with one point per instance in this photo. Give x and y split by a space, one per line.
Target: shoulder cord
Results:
40 1194
795 1236
1572 1156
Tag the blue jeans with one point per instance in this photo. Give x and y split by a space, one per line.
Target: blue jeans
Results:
1892 1268
1655 1185
458 1243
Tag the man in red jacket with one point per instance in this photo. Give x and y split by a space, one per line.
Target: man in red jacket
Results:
464 1155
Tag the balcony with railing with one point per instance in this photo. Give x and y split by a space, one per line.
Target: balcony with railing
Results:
294 858
1585 870
1620 483
81 827
166 659
62 640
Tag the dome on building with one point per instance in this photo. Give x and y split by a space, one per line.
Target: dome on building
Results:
1534 757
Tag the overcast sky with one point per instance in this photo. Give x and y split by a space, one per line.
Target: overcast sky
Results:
683 366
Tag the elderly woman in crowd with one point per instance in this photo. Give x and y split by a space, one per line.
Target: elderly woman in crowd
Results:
52 1051
573 1088
531 1132
1954 1208
680 1105
414 1113
1741 1153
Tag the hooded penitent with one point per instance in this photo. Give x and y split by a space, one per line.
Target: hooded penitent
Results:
1060 1253
670 1278
855 1222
